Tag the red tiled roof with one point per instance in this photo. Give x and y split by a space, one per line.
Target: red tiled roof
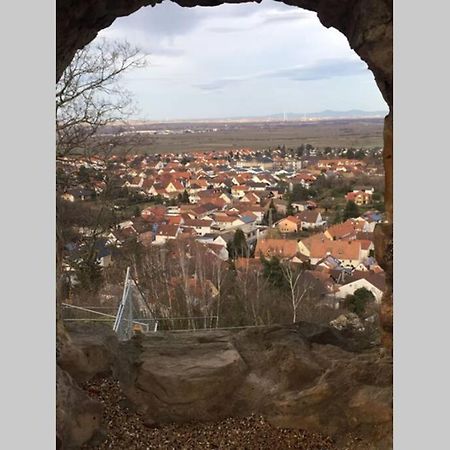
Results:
342 230
167 230
339 249
283 248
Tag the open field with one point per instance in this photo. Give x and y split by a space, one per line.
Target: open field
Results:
185 137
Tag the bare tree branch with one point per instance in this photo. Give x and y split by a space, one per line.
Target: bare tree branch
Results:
89 95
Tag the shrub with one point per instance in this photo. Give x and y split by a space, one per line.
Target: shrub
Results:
357 302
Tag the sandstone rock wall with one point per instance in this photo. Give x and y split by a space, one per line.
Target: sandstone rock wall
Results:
300 376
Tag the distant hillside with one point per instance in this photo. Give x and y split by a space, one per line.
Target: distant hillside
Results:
327 114
280 117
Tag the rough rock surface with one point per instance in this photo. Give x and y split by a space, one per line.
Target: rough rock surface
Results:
367 24
301 376
128 430
78 417
348 321
84 350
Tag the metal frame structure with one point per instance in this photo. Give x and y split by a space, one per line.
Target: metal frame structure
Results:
134 312
125 322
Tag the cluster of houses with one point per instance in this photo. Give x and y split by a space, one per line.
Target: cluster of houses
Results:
211 195
238 172
341 256
360 195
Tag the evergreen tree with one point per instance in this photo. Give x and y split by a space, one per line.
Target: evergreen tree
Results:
185 197
357 302
351 211
89 274
273 272
336 218
290 210
271 215
238 246
299 193
158 200
83 175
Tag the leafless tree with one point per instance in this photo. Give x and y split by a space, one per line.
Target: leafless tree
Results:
219 275
89 95
298 285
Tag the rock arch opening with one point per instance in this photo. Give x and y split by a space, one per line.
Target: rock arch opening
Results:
367 25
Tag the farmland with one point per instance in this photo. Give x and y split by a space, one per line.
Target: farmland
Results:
210 136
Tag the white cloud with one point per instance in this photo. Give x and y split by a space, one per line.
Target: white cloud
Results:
246 57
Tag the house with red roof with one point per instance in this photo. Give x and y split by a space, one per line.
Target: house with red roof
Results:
166 232
239 191
281 248
201 226
310 219
225 221
349 252
290 224
346 230
359 197
373 282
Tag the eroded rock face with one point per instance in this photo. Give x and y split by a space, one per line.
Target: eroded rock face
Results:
367 24
85 350
300 376
78 417
183 380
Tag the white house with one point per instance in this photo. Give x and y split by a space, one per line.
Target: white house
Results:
299 206
166 232
238 191
224 222
201 227
310 219
350 288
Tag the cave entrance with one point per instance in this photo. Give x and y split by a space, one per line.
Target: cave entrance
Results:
367 26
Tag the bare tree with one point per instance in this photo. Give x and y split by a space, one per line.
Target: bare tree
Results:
298 286
89 95
219 275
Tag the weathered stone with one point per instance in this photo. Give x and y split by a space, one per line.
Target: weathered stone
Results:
85 350
183 379
383 238
371 404
347 321
279 372
78 417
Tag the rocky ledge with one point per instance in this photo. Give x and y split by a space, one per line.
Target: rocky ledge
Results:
301 377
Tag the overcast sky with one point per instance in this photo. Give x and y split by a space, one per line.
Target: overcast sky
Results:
241 60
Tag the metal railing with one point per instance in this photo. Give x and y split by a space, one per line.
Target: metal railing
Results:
130 316
135 315
75 313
